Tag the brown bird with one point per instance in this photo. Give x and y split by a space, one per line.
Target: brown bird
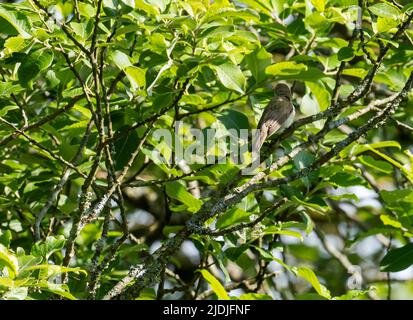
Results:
278 114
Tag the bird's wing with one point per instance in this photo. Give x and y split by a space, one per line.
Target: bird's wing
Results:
275 115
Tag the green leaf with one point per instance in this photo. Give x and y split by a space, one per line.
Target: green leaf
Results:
386 24
26 261
345 54
83 29
277 230
377 145
290 70
147 8
350 295
334 136
171 229
308 222
269 257
19 293
5 238
370 232
151 155
355 72
397 259
346 179
129 3
320 5
321 94
216 286
351 196
260 6
315 203
245 14
317 21
177 191
232 217
397 195
51 270
408 8
15 44
344 3
390 221
120 59
124 147
59 289
157 43
51 78
17 20
8 260
232 119
136 77
385 10
390 160
33 64
192 99
257 62
255 296
286 68
10 283
309 296
309 105
379 165
6 88
310 276
86 10
360 148
233 253
47 247
230 76
76 127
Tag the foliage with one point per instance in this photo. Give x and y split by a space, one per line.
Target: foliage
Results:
30 276
85 84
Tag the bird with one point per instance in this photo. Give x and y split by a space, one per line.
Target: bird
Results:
278 115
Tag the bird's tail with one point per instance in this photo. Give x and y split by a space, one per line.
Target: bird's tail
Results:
257 143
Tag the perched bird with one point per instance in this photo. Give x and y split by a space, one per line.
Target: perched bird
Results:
278 114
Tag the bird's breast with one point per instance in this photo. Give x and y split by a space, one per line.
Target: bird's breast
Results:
289 120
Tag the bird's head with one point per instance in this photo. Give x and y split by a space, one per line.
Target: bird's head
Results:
282 90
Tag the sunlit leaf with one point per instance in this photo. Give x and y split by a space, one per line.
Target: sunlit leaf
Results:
385 10
8 260
231 76
216 286
257 62
177 191
311 277
16 20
